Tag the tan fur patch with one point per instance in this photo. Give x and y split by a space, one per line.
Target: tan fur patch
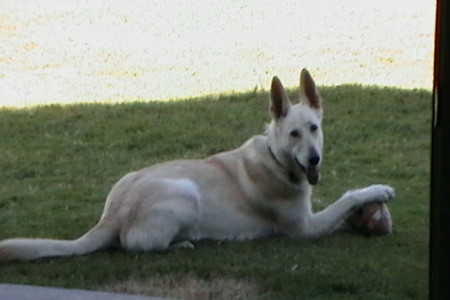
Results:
221 165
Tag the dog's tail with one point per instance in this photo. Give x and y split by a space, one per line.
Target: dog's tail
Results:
100 236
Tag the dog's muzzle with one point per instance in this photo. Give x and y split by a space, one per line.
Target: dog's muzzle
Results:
312 171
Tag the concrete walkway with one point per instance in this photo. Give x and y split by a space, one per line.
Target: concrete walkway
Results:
100 50
28 292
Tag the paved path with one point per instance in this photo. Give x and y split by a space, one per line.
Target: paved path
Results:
101 50
27 292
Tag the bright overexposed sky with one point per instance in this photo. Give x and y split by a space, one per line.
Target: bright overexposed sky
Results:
108 50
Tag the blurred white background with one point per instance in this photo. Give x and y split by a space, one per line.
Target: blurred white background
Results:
103 50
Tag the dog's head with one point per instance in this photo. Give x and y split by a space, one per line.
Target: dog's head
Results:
295 134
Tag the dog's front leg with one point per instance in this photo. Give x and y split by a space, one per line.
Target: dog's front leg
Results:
332 217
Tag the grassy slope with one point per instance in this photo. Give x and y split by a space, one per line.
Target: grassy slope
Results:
58 163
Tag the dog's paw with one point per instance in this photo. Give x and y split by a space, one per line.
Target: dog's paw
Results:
374 193
379 193
183 244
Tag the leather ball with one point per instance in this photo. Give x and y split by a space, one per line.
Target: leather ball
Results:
371 219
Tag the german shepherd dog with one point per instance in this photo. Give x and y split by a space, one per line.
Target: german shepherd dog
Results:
259 189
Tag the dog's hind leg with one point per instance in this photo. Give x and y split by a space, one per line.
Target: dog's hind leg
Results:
156 225
155 233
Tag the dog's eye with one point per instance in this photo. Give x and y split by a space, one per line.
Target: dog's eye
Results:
295 133
313 128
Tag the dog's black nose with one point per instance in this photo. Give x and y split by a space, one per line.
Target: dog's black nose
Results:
314 160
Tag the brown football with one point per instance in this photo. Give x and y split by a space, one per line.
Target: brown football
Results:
371 219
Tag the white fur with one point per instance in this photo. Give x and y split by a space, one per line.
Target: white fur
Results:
259 189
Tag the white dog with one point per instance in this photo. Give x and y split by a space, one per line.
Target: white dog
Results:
259 189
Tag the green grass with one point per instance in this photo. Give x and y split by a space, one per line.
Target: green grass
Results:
57 164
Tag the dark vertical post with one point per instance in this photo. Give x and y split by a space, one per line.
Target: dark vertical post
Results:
440 159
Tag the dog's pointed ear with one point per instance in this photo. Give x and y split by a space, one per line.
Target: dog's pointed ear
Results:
280 104
308 91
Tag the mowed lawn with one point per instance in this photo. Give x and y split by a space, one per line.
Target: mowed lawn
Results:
57 164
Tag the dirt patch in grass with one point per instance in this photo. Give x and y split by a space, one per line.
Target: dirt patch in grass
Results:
189 287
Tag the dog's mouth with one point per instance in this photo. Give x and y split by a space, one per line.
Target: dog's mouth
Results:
312 173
